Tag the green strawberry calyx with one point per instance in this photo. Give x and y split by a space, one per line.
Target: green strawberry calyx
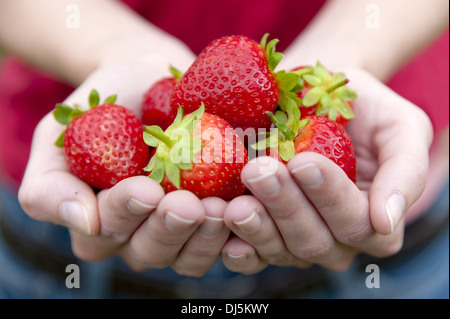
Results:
282 137
64 113
288 114
289 83
175 147
328 91
177 74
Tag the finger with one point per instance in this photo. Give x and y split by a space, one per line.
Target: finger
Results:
398 139
382 246
126 205
343 207
49 192
122 209
203 248
403 168
248 219
304 232
295 217
158 241
239 256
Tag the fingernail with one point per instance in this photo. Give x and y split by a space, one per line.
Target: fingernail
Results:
395 209
75 216
266 185
308 175
237 259
211 226
250 224
177 223
138 208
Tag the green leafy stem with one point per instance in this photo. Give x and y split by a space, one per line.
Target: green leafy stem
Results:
175 147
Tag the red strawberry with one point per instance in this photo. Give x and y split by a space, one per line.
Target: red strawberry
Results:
233 76
199 152
103 145
315 134
155 108
326 137
325 94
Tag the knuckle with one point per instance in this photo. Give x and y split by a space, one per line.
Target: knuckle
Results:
390 249
422 174
87 254
158 264
144 259
189 272
206 252
28 201
356 234
137 267
424 121
385 246
120 238
118 218
262 239
313 252
164 239
286 209
284 259
341 265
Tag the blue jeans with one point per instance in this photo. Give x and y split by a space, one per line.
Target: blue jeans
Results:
422 272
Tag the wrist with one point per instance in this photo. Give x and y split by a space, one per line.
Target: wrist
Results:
160 50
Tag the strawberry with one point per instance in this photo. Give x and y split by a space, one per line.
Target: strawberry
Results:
155 108
234 77
103 145
199 152
314 134
325 94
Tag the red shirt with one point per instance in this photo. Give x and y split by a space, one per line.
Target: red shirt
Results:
26 95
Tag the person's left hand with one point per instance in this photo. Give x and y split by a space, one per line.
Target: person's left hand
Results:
308 211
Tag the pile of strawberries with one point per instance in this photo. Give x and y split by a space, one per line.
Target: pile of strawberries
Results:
199 128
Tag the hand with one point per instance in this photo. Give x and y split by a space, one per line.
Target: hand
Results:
133 219
308 211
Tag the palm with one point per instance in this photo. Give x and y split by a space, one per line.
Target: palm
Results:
380 132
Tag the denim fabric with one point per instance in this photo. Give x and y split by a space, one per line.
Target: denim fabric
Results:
423 274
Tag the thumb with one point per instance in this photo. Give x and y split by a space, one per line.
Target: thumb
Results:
49 192
60 198
394 135
402 175
395 188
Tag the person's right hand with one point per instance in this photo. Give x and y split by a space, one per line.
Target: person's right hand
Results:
133 219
